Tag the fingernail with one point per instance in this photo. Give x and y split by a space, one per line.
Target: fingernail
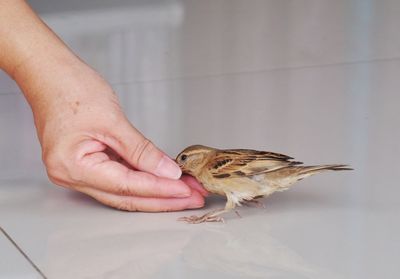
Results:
168 168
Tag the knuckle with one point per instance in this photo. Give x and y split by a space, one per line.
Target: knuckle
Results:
125 190
61 170
54 167
142 148
54 179
126 204
59 181
50 160
120 191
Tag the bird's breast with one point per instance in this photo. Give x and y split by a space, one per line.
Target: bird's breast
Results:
214 185
250 186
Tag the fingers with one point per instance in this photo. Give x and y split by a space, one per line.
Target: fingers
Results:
131 203
194 184
141 153
112 177
97 174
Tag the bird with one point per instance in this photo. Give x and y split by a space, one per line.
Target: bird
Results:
242 175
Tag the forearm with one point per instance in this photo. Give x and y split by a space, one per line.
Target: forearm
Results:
41 64
23 35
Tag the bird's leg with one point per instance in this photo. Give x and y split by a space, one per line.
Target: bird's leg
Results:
213 216
256 202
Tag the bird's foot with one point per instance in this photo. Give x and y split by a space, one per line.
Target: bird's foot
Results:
212 216
257 203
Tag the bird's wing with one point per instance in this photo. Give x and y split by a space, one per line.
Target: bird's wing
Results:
246 162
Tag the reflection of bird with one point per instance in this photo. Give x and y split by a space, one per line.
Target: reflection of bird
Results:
242 175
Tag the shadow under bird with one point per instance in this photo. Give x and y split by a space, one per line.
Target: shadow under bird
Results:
242 175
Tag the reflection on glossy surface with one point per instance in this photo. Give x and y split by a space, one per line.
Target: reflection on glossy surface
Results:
107 243
314 80
190 252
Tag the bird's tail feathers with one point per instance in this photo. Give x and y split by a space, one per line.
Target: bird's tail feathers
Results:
283 178
310 170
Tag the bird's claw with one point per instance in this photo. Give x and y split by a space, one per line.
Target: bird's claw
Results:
209 217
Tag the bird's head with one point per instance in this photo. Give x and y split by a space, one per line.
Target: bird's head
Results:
193 158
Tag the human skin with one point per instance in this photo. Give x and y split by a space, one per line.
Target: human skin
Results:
87 142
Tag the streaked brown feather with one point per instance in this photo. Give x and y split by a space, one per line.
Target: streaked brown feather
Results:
246 162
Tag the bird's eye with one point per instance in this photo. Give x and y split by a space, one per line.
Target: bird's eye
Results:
183 157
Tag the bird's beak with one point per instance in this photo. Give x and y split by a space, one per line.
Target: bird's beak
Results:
181 166
184 170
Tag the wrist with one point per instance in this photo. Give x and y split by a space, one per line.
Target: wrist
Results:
41 76
60 88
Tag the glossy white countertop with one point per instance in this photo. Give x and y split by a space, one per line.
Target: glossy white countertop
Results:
309 232
318 81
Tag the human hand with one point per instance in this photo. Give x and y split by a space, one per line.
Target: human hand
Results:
88 144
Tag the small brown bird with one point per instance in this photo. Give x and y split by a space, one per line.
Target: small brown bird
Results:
242 175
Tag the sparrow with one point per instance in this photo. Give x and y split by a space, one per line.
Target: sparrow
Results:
242 175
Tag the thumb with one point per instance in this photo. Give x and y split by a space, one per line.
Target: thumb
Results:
141 153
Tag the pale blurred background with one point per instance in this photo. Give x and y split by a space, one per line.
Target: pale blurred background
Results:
317 80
